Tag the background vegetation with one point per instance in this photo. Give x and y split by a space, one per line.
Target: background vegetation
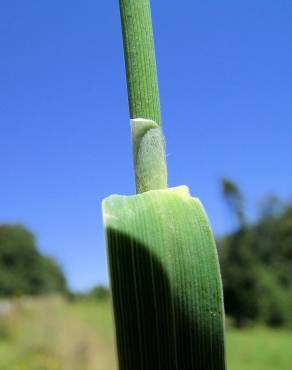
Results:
50 333
23 269
256 262
44 326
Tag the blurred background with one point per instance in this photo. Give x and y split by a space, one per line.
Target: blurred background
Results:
225 81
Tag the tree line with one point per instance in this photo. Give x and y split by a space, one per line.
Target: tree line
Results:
23 269
256 261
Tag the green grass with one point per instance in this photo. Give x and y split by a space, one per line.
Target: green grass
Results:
259 349
51 334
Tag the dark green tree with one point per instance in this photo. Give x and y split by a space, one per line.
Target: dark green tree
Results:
256 262
23 270
100 292
239 268
240 276
234 200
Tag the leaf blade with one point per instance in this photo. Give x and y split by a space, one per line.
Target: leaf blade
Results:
166 286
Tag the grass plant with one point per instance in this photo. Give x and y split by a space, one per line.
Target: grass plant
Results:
164 271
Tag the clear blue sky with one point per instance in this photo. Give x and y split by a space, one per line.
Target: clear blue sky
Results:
225 75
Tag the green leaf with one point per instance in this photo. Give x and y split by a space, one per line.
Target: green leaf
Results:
165 282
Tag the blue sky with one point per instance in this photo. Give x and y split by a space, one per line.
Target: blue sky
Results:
225 83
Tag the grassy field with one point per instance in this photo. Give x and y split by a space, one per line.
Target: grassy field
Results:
51 334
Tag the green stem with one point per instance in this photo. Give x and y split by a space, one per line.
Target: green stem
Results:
144 104
140 60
